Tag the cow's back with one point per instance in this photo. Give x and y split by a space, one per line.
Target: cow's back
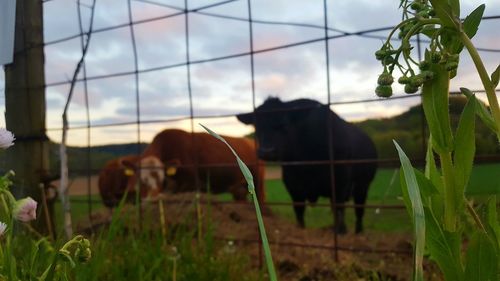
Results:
213 158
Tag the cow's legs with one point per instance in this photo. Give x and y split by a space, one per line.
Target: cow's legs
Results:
359 194
299 212
339 224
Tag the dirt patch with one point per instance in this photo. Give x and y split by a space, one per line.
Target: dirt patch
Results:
237 224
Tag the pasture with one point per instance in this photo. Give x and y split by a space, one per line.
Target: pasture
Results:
385 228
385 190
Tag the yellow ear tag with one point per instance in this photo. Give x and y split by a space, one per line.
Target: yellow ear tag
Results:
171 171
128 172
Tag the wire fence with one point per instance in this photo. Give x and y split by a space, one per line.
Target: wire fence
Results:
186 11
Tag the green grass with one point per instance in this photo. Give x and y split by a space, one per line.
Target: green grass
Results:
384 190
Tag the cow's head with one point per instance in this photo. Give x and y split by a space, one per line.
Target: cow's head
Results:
273 128
148 175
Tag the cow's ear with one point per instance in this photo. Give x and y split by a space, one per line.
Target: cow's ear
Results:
246 118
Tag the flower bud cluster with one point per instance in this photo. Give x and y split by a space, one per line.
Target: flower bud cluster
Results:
385 56
384 89
422 9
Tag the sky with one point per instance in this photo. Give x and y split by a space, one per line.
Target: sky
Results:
222 87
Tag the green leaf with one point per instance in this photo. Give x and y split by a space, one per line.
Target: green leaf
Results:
481 111
495 76
482 261
445 12
472 21
431 171
444 248
435 103
429 31
455 7
251 188
426 187
417 212
492 221
465 146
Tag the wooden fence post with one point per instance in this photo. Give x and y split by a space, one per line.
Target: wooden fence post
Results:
25 107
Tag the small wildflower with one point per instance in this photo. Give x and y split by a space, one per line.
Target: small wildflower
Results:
6 138
25 209
3 227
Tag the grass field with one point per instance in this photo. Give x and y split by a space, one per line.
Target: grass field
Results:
385 190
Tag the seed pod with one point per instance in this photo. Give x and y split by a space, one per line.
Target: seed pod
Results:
410 89
385 79
404 80
380 54
383 91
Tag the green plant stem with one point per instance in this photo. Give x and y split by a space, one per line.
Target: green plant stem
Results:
450 203
485 79
396 28
267 251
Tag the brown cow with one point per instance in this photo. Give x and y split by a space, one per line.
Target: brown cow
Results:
177 150
113 180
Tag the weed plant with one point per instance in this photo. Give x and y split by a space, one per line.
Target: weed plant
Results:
462 239
122 251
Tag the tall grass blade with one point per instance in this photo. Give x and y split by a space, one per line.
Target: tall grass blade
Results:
251 188
418 215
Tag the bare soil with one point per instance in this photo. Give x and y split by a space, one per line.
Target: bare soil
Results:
237 223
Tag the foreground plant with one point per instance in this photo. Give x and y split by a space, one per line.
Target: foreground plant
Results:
436 199
251 189
44 262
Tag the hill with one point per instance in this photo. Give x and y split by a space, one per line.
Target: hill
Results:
407 128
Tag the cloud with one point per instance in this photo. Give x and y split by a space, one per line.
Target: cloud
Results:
225 86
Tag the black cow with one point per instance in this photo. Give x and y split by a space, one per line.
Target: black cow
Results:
299 131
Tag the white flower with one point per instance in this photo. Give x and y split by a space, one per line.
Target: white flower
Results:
3 227
25 209
6 138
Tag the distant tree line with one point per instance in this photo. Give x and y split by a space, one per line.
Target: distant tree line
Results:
407 130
